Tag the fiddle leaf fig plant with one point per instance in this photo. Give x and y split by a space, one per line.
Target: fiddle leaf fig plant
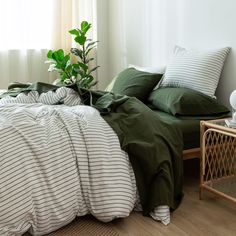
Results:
82 52
80 71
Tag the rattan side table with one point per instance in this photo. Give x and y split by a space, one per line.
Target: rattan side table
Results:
218 159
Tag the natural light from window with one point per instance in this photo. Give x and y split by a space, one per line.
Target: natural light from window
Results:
26 24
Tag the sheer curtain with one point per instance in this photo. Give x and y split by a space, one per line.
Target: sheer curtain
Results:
30 27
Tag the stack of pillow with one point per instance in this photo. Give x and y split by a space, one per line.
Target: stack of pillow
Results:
186 88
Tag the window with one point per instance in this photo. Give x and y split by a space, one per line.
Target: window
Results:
28 28
26 24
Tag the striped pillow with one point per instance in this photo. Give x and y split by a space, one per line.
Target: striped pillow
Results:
199 71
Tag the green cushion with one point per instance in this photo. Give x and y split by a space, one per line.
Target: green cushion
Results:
134 83
185 102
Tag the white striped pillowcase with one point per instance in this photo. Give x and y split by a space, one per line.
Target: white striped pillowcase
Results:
195 70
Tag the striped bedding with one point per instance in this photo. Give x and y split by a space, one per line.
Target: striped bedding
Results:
59 162
197 70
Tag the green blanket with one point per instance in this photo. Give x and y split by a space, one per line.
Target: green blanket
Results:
155 152
154 147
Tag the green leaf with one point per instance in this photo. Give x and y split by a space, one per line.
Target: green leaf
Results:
78 52
68 67
89 79
49 54
88 60
83 83
58 66
93 83
83 66
88 50
74 73
63 77
60 54
73 69
74 31
65 61
85 26
91 44
81 73
95 68
68 62
75 66
80 39
54 56
86 81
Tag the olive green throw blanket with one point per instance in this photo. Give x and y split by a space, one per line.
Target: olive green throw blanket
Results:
155 152
154 147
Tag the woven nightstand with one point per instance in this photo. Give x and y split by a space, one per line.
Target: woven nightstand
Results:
218 159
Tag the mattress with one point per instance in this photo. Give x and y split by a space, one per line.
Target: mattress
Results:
190 128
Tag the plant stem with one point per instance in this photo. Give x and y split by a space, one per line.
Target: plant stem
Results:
68 75
84 56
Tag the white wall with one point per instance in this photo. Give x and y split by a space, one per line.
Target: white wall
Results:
144 32
136 35
211 24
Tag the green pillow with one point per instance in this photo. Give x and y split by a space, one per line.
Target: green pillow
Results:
134 83
185 102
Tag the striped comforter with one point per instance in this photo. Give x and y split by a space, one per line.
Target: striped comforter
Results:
59 162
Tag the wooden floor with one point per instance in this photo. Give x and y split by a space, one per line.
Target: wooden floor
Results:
211 216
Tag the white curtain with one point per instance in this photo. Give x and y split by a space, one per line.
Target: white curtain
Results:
29 28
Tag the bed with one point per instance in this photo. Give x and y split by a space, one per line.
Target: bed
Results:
118 151
61 161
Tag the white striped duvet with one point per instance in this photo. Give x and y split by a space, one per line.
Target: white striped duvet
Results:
59 162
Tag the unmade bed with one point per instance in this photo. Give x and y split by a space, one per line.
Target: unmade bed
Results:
67 160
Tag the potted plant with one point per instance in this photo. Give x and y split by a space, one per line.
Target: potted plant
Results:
79 72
